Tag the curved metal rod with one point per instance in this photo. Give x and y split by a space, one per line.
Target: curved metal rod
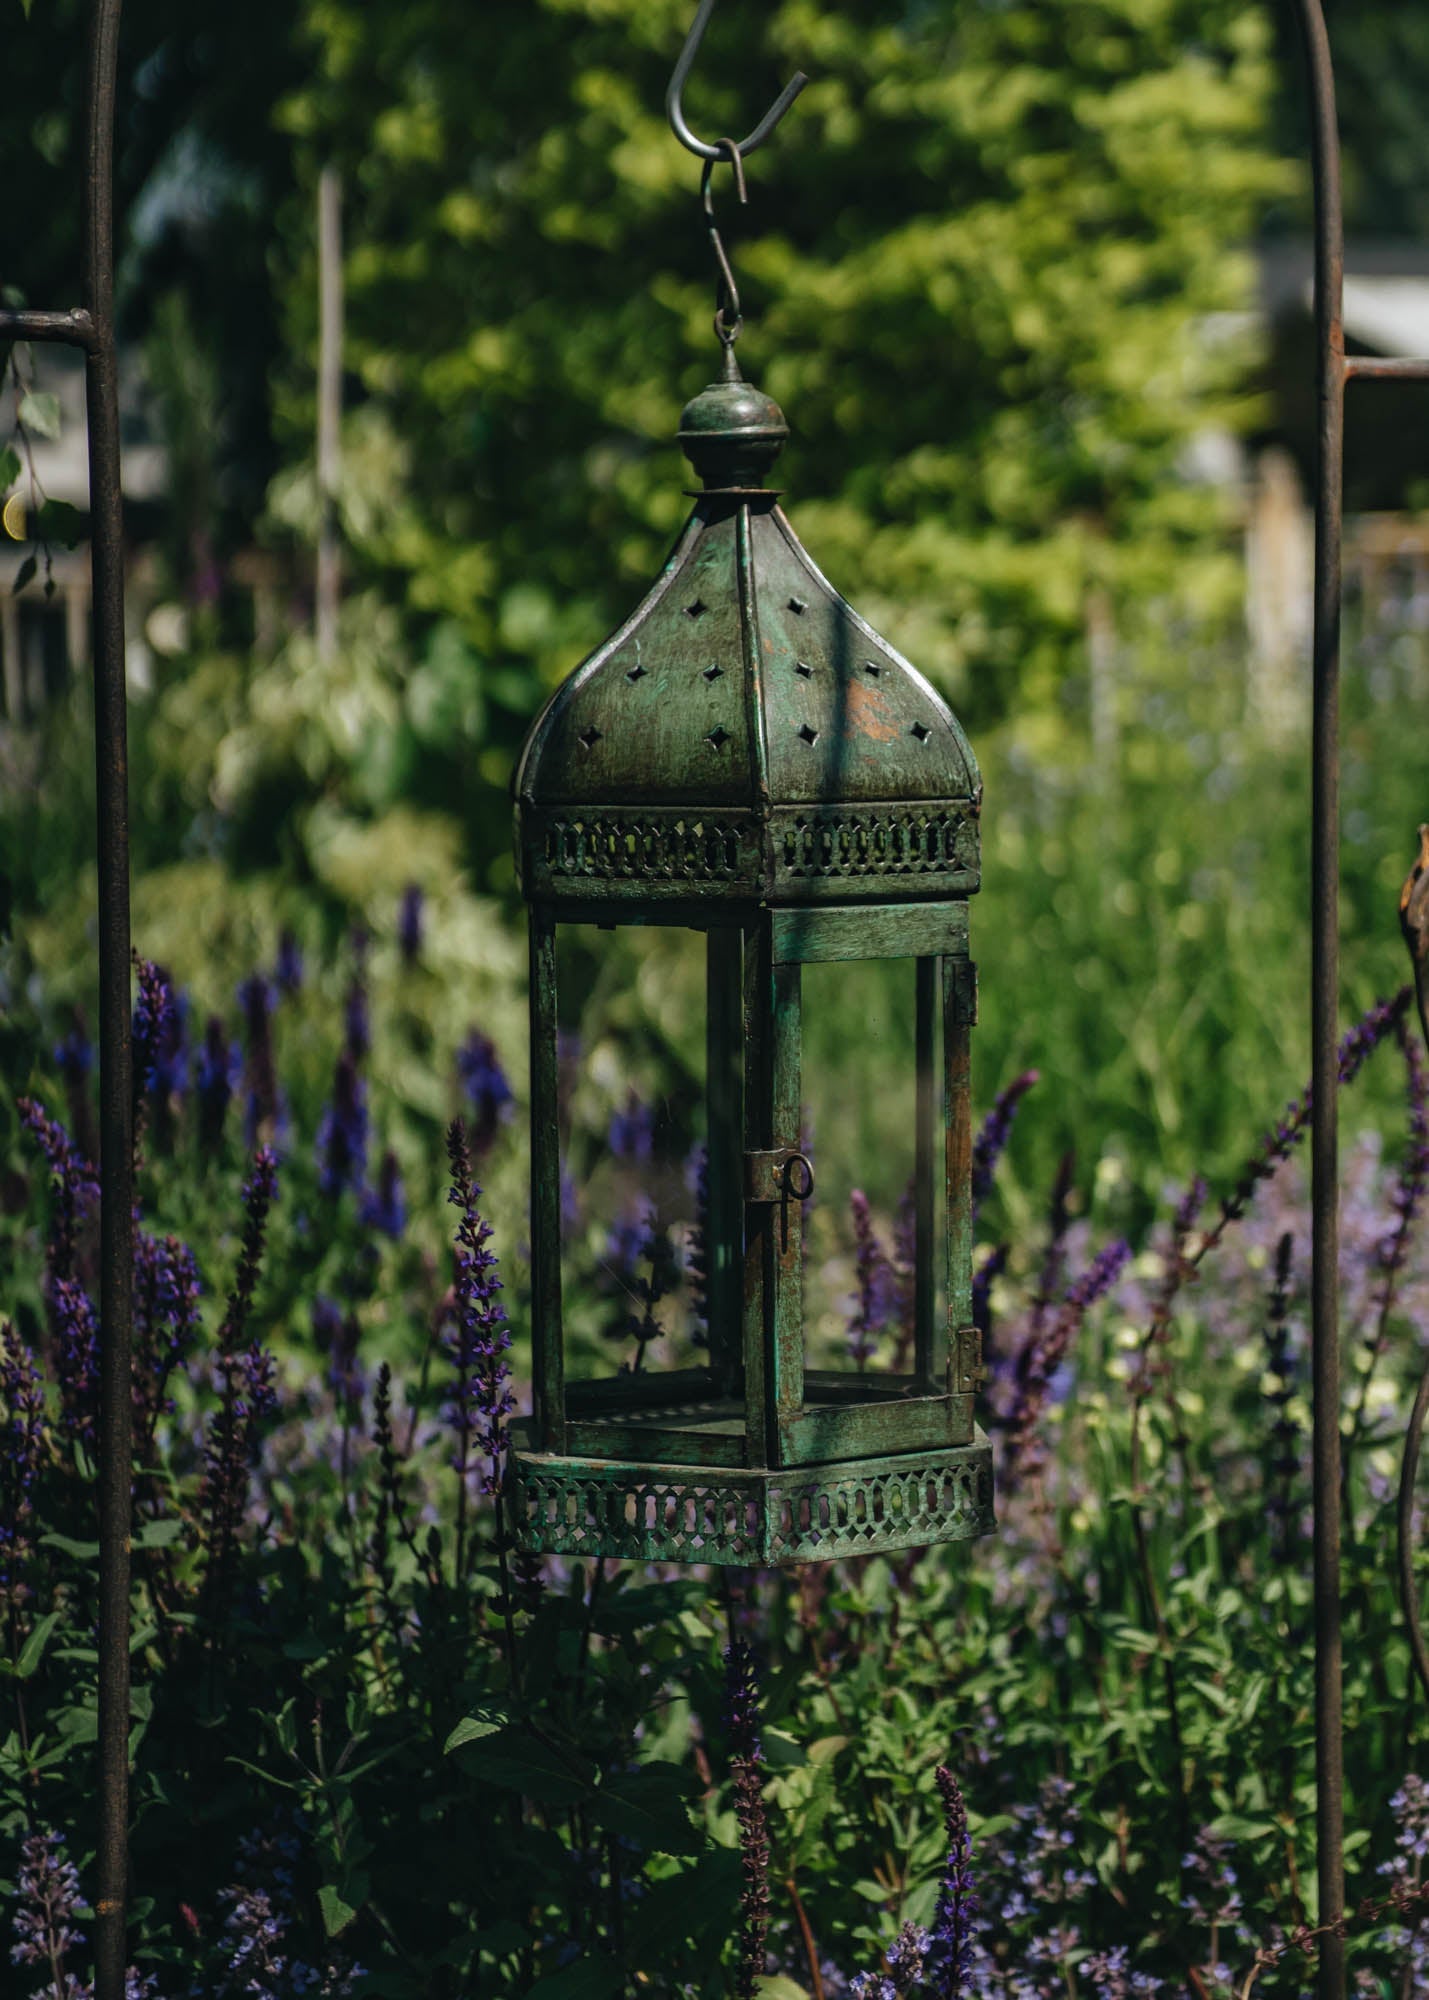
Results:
1414 922
674 98
1324 996
1408 1587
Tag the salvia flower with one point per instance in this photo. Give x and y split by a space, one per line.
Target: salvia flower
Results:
217 1070
245 1375
342 1131
48 1903
410 913
746 1760
384 1206
480 1338
994 1132
632 1131
339 1336
153 1007
487 1090
166 1304
77 1333
22 1445
1045 1351
171 1068
873 1299
72 1181
955 1924
263 1116
1283 1458
74 1059
697 1252
288 966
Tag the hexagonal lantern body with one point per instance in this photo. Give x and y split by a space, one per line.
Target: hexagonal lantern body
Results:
747 758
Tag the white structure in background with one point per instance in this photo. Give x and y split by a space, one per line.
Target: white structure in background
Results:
1279 585
45 640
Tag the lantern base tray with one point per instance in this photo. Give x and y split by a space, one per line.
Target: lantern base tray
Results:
757 1516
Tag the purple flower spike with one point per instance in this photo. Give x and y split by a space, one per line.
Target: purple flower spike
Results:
484 1081
216 1075
73 1182
263 1112
384 1207
479 1340
632 1131
342 1131
78 1332
410 925
994 1132
152 1010
74 1059
22 1444
244 1375
955 1925
873 1301
288 966
697 1249
48 1899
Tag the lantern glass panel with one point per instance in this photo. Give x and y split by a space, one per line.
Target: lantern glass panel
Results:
860 1092
631 1007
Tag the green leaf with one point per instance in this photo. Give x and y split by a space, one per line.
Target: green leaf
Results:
22 577
57 521
781 1988
9 467
486 1722
158 1534
520 1762
33 1650
337 1914
587 1979
81 1551
649 1807
40 413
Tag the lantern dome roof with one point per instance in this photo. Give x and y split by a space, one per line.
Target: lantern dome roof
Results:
745 736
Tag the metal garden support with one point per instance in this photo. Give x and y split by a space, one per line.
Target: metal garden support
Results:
90 327
1334 371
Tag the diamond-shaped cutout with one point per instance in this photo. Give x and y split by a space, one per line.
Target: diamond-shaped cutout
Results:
590 737
697 609
798 606
872 667
921 731
803 670
713 671
809 735
719 737
635 673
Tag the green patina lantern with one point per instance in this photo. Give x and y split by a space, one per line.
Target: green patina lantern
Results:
745 757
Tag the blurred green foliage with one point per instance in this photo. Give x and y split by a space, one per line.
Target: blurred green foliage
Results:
987 265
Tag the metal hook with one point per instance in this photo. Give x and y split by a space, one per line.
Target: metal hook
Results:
674 107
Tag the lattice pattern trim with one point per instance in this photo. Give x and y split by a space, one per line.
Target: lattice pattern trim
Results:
867 1511
690 1514
561 1509
693 847
878 843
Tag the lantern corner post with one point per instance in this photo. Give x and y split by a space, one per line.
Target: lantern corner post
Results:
547 1331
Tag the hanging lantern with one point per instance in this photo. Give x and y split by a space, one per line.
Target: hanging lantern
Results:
746 758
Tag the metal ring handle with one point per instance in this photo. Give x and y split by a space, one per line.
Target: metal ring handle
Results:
798 1193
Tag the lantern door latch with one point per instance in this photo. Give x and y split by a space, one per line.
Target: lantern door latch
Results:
781 1174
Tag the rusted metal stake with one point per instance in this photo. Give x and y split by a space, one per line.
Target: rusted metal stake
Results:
1324 996
92 328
